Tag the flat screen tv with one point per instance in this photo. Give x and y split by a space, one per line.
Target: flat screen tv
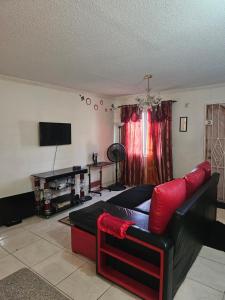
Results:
53 134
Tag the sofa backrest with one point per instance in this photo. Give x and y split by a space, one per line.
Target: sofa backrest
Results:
166 198
206 166
194 180
190 226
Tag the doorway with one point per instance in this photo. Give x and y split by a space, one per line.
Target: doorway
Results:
215 143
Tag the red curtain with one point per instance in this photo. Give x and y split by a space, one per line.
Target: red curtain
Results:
160 133
151 174
132 170
156 165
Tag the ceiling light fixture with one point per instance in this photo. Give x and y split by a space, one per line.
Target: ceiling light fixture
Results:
148 102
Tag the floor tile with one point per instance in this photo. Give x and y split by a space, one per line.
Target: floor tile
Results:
213 254
195 291
209 273
37 252
3 228
58 266
84 284
3 253
43 226
61 237
18 241
8 232
116 293
9 265
32 221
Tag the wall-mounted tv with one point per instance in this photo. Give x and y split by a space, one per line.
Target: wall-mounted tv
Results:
53 134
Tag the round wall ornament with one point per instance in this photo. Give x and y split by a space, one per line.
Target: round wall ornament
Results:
88 101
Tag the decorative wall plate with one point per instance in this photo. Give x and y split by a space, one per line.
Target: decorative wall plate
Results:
96 106
88 101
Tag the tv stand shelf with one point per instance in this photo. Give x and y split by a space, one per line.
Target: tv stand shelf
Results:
50 200
52 175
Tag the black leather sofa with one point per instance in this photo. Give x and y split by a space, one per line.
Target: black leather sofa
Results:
187 231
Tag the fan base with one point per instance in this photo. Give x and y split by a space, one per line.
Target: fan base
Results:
116 187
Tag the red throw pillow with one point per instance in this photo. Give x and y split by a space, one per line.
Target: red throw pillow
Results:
166 198
194 180
206 166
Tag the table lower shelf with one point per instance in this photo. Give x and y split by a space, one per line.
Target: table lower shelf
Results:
73 201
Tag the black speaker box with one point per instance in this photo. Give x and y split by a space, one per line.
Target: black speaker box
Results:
15 208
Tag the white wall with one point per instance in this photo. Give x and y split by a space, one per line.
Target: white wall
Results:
188 147
22 106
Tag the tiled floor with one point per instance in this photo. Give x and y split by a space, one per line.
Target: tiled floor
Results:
44 247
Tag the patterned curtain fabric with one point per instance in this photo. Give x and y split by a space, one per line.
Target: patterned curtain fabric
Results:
132 169
151 174
156 166
130 113
160 134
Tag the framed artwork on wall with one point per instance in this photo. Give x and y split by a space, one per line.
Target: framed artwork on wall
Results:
183 124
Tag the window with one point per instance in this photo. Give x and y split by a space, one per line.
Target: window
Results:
145 133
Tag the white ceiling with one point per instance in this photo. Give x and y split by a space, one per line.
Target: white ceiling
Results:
106 46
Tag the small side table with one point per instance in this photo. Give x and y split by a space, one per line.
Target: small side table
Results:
98 166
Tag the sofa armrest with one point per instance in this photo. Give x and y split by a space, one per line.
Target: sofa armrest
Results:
159 241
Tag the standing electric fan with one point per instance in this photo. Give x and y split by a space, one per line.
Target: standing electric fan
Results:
116 153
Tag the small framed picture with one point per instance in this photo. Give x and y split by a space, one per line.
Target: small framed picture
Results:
183 124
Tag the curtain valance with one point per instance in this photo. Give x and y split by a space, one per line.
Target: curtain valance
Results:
130 113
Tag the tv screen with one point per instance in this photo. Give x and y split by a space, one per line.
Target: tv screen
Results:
52 134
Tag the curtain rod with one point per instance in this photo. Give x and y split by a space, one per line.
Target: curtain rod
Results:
173 101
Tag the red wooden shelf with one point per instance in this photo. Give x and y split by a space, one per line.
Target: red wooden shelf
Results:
129 283
144 291
133 261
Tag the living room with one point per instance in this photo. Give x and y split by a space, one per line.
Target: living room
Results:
84 64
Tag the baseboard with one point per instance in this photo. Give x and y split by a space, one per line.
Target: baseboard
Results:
16 207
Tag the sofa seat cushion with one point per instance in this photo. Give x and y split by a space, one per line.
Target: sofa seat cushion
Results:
134 196
194 180
166 198
86 218
144 207
206 166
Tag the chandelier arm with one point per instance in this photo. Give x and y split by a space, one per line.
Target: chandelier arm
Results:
148 101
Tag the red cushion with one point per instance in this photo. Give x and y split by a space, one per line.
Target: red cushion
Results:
113 225
166 198
194 180
206 166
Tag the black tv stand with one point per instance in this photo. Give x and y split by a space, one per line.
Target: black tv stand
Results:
50 197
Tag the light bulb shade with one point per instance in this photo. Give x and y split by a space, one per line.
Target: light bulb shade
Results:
148 101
